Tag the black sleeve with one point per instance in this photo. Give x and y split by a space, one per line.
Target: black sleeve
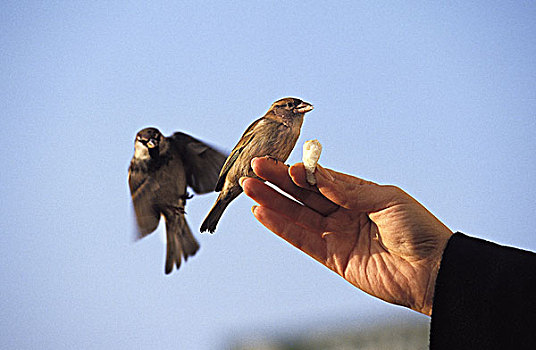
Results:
485 297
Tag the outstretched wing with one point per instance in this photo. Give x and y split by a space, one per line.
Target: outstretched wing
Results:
202 162
142 191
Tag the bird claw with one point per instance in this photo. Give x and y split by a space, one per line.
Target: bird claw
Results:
179 210
273 158
187 196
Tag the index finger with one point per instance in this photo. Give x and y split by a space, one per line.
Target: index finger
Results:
278 174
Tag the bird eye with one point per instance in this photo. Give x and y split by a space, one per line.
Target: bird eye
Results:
290 105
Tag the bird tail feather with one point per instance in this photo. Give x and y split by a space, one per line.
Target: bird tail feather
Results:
210 222
180 241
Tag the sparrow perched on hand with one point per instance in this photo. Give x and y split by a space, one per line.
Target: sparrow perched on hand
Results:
273 135
159 172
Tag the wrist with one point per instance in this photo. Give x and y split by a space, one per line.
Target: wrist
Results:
435 264
428 300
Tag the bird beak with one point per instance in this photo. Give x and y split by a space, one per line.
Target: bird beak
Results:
304 107
152 143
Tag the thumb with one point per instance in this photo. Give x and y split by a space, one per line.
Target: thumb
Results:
351 192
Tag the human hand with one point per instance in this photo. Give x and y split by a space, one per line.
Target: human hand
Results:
377 237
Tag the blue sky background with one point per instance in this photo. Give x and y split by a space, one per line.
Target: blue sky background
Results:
438 98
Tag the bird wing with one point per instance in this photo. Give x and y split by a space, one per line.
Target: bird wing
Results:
245 140
142 190
202 163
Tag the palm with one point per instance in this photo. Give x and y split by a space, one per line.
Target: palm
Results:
359 251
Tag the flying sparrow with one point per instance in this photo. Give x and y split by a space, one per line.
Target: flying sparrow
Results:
159 172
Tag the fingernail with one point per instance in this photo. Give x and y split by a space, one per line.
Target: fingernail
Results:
241 181
252 161
253 209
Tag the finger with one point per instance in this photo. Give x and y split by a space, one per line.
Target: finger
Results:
307 241
297 173
278 174
268 197
348 191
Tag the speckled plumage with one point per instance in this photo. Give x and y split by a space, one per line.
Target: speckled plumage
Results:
275 135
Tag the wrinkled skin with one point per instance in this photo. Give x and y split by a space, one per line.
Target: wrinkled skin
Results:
377 237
